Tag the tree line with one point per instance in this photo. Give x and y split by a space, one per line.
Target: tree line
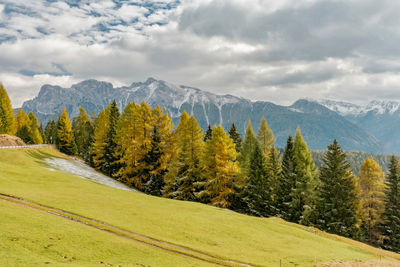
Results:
140 148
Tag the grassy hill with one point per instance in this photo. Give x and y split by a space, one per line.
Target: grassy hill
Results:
50 217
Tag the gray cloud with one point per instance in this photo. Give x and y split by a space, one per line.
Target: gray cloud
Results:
259 49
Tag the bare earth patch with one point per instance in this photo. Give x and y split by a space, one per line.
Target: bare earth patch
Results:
360 264
9 140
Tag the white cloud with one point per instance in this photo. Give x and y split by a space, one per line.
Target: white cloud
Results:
259 49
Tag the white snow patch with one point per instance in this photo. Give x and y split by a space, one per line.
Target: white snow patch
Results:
82 170
296 110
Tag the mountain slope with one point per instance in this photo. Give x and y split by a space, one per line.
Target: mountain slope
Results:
319 128
380 118
217 232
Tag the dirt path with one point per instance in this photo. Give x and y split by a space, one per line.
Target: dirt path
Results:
166 246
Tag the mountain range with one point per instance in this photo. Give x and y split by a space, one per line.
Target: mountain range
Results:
370 128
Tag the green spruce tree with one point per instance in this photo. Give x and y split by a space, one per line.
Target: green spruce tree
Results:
110 164
235 135
257 193
305 175
274 170
50 132
153 162
338 203
287 182
208 134
390 226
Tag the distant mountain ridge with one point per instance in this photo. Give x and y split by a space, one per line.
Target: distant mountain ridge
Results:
380 118
319 124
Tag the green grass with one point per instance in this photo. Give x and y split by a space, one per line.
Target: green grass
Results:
32 238
215 231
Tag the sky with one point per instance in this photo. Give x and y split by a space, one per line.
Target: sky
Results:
270 50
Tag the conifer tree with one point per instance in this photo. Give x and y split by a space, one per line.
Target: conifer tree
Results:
257 193
265 136
305 175
84 134
7 119
390 225
274 171
23 125
235 135
110 164
100 139
208 134
153 162
247 149
371 186
220 169
161 150
34 129
338 204
189 138
65 135
287 181
50 132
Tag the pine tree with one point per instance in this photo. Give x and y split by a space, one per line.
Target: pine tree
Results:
23 127
34 129
220 169
84 134
371 184
305 175
257 193
7 120
338 199
274 171
265 136
65 135
189 137
235 135
50 132
208 134
286 182
390 225
247 149
152 159
110 165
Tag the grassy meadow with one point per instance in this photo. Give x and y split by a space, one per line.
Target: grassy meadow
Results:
222 233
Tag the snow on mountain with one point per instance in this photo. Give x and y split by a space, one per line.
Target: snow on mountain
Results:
319 125
350 109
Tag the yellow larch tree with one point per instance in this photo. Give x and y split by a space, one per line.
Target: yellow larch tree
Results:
371 187
7 119
220 169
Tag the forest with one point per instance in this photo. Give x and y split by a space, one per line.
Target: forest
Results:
140 147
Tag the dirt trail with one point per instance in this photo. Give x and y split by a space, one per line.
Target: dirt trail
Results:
166 246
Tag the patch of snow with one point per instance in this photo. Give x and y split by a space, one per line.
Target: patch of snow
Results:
296 110
82 170
340 107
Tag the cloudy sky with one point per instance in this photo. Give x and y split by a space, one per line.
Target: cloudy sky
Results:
270 50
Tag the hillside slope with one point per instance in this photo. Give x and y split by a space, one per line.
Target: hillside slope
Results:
380 118
319 128
195 227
